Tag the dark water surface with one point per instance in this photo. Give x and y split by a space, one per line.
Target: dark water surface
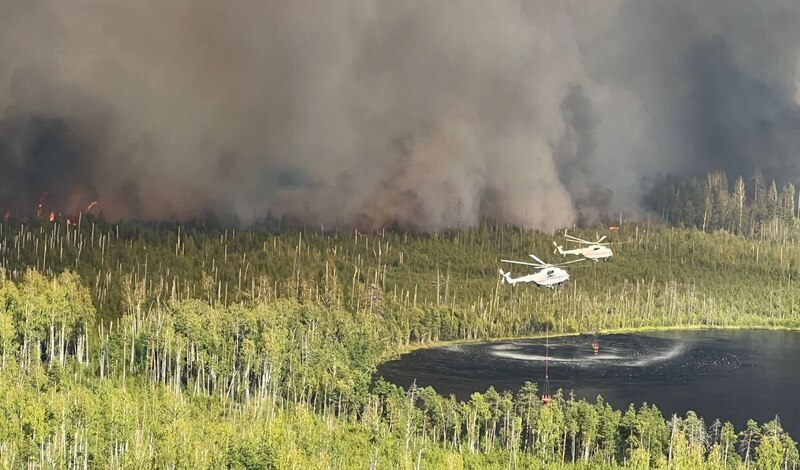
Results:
727 374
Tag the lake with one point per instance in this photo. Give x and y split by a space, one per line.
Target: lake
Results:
728 374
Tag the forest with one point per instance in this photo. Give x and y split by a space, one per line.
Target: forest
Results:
751 208
192 345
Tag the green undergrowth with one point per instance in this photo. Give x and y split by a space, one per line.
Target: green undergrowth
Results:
126 346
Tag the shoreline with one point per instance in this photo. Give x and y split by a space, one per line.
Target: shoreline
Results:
407 349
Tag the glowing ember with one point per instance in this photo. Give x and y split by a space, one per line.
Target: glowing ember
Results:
52 217
40 205
92 205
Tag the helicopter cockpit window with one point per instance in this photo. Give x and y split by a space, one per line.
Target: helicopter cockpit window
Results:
550 273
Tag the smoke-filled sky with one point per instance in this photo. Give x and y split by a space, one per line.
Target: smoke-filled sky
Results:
367 113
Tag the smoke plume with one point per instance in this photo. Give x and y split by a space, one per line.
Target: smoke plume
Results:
373 113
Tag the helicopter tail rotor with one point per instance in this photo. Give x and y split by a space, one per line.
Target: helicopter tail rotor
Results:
558 249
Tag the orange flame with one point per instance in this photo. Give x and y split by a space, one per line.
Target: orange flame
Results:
92 205
52 217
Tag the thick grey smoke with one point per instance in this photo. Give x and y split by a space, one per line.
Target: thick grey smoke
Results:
370 113
574 155
721 81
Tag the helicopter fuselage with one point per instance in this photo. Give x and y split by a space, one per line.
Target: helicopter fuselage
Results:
597 252
592 252
546 277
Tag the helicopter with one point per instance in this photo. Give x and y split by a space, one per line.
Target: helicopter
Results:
594 251
549 275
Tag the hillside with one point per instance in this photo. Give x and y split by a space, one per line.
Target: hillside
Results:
261 343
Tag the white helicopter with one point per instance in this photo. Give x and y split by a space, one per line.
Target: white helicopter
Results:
594 251
549 275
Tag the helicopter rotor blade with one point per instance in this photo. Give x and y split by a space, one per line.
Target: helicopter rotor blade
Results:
539 261
522 263
582 242
578 240
572 237
570 262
